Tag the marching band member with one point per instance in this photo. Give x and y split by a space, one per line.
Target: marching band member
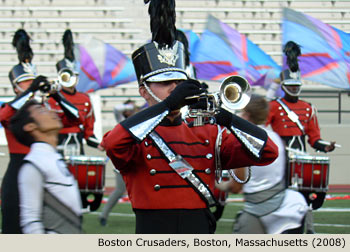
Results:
25 83
73 131
294 119
49 199
71 136
168 166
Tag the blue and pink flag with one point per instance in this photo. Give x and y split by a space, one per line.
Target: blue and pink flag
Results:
193 40
102 66
223 51
325 49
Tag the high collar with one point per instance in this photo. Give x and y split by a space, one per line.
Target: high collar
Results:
69 93
291 99
177 121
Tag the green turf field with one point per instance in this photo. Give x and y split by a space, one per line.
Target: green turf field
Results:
332 218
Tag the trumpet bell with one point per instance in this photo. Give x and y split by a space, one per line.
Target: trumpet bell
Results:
234 92
67 78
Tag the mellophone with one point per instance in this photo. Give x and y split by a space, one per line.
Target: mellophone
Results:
309 173
90 175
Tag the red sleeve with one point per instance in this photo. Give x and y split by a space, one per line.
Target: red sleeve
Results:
6 112
271 116
234 155
89 122
120 147
313 130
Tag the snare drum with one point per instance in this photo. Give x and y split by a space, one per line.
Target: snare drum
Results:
88 171
308 173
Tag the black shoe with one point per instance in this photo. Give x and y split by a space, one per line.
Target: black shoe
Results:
103 221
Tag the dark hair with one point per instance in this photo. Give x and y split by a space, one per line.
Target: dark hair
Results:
19 120
257 109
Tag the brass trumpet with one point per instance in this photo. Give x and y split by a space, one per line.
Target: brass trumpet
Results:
67 77
233 94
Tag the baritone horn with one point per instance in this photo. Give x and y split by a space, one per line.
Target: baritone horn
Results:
233 94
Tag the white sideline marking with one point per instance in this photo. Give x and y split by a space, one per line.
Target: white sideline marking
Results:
115 214
331 209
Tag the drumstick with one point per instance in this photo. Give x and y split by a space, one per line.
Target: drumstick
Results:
328 143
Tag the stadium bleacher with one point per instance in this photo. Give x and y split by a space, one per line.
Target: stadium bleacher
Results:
125 23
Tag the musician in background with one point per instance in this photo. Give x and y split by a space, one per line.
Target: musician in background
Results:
26 84
294 119
49 199
71 136
73 132
269 207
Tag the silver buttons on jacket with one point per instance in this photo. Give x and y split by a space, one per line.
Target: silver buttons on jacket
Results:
153 171
149 156
209 156
157 187
207 171
146 144
206 142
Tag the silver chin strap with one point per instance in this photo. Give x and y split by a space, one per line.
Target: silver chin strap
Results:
285 89
151 93
18 87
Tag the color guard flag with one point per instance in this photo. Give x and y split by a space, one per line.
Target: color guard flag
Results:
102 66
193 40
223 51
325 49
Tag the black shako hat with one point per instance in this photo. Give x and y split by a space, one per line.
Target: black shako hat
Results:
292 75
24 70
163 59
153 64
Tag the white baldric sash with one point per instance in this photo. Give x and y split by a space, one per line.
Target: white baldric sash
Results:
292 116
184 170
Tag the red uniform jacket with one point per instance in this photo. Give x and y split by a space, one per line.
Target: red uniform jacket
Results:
15 147
283 126
87 119
150 181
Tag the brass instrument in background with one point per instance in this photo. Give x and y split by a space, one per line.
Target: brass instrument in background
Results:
233 94
67 77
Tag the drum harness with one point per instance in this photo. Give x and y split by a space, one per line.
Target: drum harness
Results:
294 118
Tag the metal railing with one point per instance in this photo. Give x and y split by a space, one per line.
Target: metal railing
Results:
329 94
